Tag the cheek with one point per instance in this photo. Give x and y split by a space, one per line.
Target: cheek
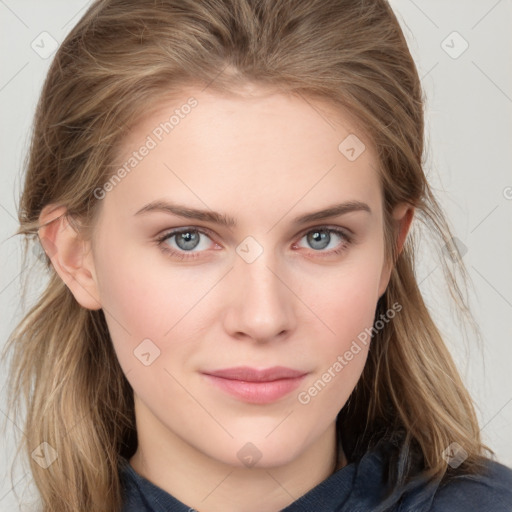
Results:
340 358
137 302
145 298
345 305
345 299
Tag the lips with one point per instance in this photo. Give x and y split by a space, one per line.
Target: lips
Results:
248 374
256 386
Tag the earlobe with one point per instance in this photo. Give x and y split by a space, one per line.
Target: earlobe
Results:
70 255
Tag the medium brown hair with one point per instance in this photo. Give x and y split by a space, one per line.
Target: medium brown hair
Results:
120 60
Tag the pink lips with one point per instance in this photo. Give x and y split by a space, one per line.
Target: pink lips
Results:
256 386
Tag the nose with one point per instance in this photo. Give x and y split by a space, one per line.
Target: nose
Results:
262 306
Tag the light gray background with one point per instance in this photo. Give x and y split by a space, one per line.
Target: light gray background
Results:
468 137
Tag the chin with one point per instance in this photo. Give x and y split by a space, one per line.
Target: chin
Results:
258 452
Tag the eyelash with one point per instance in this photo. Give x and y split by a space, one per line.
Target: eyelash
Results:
184 255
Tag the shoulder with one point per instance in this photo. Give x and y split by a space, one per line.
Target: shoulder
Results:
491 491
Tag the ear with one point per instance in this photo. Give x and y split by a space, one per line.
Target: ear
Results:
70 255
402 216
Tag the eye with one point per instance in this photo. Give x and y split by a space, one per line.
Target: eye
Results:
322 237
184 241
189 243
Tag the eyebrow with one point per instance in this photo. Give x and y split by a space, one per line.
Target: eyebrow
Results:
230 222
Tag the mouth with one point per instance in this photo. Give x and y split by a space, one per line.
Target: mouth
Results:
256 386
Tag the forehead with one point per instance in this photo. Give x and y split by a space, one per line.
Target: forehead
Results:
257 147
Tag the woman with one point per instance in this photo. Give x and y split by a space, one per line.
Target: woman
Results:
224 192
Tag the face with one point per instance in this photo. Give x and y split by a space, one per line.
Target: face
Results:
186 294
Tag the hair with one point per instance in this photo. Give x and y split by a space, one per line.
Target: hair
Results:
120 60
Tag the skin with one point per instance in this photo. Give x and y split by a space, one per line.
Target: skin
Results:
264 159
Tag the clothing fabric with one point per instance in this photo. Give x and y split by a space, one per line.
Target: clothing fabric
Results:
357 487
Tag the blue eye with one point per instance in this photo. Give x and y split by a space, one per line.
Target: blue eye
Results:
186 240
320 238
